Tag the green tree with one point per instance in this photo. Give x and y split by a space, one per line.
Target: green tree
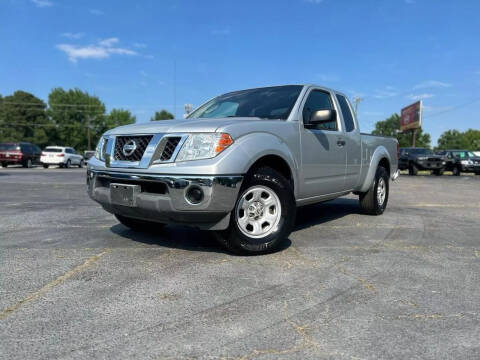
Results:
118 117
391 127
23 118
454 139
78 116
162 115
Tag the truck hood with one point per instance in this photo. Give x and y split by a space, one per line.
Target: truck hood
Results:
179 126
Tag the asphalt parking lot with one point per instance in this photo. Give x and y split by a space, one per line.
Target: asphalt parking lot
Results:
76 284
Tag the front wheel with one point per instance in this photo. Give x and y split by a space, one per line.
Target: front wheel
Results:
138 225
413 170
264 214
80 165
437 172
45 166
67 164
4 164
456 171
374 201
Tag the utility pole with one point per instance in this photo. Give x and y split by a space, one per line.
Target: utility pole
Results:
357 100
88 132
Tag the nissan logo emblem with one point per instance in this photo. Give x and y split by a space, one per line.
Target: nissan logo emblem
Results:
129 147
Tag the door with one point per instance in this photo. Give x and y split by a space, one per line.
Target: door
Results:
353 146
323 150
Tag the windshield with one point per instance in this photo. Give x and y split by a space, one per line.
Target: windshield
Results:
463 154
266 103
56 150
420 151
9 147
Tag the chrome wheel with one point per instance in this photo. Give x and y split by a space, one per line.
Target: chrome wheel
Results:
258 212
381 191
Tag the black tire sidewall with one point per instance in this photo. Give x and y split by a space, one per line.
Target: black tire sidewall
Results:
67 164
381 173
273 180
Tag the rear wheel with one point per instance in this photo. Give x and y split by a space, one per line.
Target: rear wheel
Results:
437 172
27 164
264 214
139 225
413 170
45 166
68 163
80 165
4 164
374 201
456 171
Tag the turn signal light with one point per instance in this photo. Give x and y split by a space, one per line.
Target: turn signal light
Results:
224 141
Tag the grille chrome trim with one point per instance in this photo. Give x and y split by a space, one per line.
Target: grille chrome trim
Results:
157 157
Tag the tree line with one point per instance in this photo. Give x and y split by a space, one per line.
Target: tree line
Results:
450 139
70 118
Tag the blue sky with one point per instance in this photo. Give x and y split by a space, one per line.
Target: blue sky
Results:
390 52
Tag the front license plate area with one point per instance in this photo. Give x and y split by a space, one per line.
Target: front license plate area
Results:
124 194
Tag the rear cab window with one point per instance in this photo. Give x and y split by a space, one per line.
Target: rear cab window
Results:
53 150
9 147
346 112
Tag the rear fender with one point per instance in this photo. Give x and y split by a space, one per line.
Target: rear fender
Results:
379 153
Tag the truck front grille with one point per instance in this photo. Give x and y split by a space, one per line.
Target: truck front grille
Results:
169 148
124 145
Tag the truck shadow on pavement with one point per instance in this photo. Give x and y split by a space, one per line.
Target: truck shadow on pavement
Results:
186 238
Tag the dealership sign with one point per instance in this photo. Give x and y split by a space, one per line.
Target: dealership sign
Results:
411 117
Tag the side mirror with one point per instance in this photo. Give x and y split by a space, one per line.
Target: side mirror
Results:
323 116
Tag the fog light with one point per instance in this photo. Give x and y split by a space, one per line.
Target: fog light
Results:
194 195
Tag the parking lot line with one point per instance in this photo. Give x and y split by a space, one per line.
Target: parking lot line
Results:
35 295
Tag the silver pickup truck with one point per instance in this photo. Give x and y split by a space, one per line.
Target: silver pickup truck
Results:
241 164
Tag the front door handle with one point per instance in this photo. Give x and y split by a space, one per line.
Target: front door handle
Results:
341 142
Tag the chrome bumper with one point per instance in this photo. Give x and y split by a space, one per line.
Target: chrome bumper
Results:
168 202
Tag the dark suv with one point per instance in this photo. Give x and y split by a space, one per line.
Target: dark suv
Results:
458 161
415 159
19 153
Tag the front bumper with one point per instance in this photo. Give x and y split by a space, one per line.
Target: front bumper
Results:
430 165
163 197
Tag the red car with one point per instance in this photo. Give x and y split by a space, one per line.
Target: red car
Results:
19 153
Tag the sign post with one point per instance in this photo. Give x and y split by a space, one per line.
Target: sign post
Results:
411 119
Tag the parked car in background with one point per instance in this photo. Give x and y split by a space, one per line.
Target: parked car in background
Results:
23 153
61 156
458 161
476 153
87 154
415 159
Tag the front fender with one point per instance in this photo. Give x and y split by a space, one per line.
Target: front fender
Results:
252 147
379 153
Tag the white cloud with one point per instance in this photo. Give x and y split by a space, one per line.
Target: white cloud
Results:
385 94
42 3
69 35
419 96
431 84
102 50
140 45
96 12
108 42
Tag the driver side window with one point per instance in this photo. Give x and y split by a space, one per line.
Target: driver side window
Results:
318 100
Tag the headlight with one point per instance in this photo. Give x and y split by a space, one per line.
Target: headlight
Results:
422 158
466 162
203 146
100 148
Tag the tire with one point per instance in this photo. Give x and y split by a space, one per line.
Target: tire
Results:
438 172
138 225
45 166
67 164
27 164
4 164
81 164
369 201
412 170
267 195
456 171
